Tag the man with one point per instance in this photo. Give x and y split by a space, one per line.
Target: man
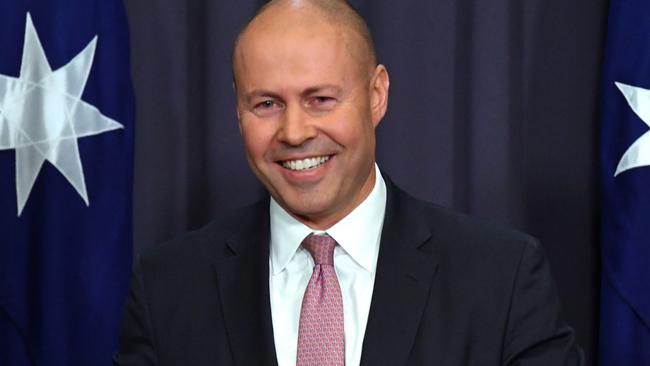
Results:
338 266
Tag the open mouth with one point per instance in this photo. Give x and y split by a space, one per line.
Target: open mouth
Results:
305 164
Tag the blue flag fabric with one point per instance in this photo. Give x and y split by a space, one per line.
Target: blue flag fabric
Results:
66 166
625 179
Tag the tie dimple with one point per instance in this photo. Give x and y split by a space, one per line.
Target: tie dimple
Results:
321 340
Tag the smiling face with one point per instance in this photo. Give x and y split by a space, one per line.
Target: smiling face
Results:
308 102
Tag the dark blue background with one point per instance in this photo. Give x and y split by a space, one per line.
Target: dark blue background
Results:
65 267
625 306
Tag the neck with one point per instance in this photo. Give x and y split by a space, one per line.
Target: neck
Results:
327 220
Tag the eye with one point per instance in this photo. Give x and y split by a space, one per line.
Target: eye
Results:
266 107
322 99
267 104
322 102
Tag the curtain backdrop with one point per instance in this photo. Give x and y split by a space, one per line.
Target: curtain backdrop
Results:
493 111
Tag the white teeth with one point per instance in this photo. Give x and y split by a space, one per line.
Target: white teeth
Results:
305 164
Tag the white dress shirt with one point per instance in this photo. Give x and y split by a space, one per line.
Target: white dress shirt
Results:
355 262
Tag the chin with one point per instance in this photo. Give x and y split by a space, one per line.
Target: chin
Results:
307 207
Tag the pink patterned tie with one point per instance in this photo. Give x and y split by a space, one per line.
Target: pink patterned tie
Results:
321 341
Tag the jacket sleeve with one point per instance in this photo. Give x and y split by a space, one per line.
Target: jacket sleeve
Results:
536 335
136 340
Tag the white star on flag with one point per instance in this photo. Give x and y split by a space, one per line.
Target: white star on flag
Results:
42 115
638 154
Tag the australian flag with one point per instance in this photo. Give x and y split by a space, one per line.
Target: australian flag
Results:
66 166
625 180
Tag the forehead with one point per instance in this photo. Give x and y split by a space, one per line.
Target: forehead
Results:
293 48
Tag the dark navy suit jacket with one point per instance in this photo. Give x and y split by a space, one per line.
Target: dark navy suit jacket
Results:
449 291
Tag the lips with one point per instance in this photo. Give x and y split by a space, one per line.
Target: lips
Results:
305 164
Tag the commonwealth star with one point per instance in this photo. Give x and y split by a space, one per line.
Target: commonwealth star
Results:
42 115
638 154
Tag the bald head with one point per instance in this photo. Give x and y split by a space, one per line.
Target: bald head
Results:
338 14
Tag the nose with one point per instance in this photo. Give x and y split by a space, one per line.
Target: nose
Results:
296 127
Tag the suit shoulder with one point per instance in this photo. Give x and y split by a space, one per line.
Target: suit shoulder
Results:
461 225
461 232
469 250
207 243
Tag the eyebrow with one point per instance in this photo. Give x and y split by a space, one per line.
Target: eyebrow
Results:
320 88
257 93
261 93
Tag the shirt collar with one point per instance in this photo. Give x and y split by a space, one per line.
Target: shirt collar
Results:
362 245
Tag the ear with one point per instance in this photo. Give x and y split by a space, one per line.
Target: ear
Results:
379 84
234 89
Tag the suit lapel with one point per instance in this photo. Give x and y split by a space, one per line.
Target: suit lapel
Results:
243 281
402 283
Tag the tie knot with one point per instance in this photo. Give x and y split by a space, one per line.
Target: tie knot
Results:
321 248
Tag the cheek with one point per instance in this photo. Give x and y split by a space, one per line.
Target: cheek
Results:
257 138
352 130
